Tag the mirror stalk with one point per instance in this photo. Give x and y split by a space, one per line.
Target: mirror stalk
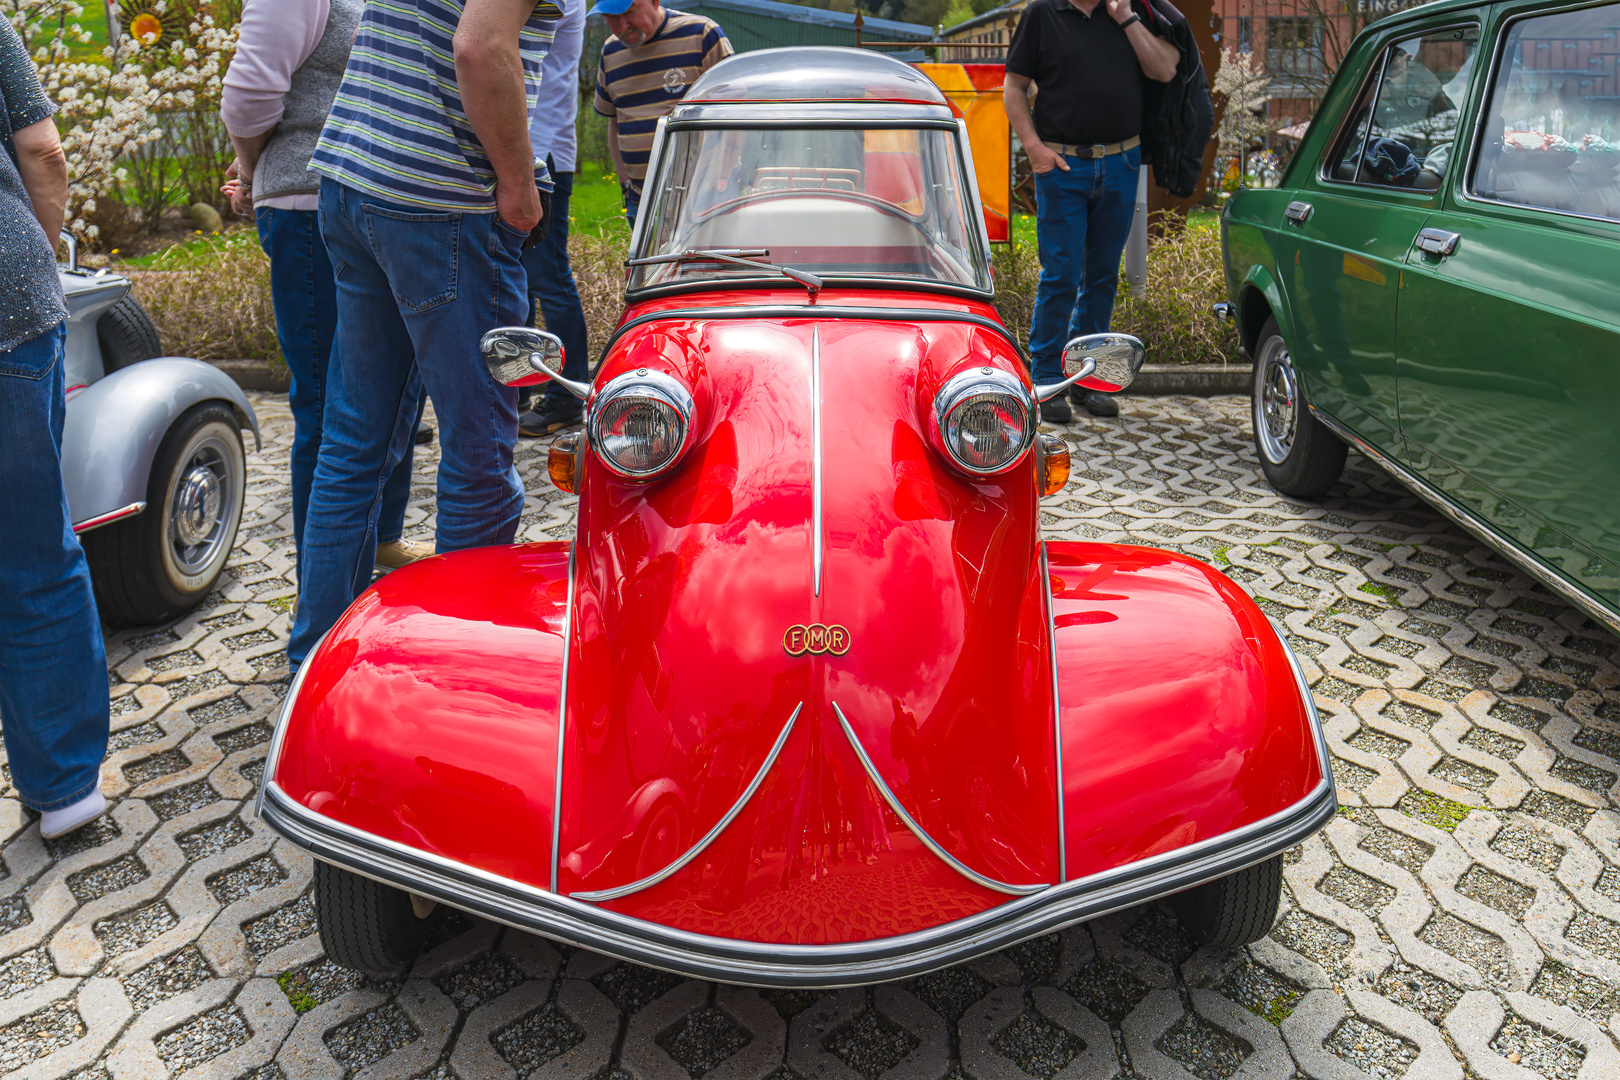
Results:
1051 390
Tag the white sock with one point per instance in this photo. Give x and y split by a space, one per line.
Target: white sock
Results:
65 819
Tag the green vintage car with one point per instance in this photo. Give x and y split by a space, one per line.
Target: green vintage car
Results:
1436 282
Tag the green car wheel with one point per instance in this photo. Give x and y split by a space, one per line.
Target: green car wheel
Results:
1299 456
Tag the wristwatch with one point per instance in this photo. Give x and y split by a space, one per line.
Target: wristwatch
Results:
1135 18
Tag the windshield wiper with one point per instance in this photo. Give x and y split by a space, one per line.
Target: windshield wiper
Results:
737 256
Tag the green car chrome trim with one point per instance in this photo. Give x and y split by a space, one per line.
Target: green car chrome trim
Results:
1589 604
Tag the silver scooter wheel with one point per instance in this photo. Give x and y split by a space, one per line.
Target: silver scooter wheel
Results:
161 563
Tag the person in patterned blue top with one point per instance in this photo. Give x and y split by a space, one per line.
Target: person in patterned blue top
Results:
429 189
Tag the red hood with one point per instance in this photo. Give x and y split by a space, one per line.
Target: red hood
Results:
680 684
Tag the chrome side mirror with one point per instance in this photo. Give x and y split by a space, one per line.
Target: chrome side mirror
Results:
1106 362
72 243
524 356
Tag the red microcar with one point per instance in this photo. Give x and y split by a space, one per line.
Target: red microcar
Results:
807 700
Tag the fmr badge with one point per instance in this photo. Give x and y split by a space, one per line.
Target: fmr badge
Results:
816 639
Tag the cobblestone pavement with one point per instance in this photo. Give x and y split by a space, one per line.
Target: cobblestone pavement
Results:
1461 917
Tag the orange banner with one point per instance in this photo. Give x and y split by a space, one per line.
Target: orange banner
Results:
974 92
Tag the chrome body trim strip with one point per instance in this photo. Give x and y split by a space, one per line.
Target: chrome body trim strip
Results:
562 724
599 895
1569 590
815 455
1323 758
272 757
110 516
1057 713
928 841
769 964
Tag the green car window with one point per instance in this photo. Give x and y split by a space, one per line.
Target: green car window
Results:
1550 137
1401 129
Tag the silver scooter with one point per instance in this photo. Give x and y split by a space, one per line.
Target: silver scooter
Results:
152 454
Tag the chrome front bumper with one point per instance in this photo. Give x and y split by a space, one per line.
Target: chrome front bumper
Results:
765 964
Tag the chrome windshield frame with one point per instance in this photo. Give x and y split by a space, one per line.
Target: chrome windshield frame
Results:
859 118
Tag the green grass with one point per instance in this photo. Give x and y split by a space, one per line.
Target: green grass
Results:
198 251
1278 1008
293 986
1386 592
596 207
94 20
1438 811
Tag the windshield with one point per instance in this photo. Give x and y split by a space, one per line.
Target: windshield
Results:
855 202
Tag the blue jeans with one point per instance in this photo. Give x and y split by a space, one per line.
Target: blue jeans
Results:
1081 220
552 289
305 299
632 205
53 665
416 289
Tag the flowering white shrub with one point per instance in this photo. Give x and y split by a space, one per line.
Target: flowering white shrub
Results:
140 122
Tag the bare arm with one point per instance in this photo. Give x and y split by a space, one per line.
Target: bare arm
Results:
1159 58
1015 99
489 73
248 148
44 174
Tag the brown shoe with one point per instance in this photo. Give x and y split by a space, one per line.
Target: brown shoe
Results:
396 553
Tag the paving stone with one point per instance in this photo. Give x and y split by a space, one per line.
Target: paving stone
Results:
522 1031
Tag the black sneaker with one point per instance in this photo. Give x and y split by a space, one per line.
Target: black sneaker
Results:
1056 411
424 434
551 414
1094 402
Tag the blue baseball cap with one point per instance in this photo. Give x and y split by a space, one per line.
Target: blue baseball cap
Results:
611 7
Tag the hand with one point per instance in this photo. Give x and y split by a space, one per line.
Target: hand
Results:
1043 159
1119 10
241 195
518 205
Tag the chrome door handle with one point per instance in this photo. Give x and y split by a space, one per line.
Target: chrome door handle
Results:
1438 242
1298 212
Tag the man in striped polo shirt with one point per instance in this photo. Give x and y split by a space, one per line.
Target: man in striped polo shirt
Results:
655 53
429 189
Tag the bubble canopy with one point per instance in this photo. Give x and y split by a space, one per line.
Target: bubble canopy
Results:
819 73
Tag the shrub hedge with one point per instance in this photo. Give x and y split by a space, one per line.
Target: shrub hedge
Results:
211 298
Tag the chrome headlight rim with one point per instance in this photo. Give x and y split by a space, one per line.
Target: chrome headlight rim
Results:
960 390
655 386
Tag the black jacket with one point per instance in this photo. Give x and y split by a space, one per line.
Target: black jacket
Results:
1178 117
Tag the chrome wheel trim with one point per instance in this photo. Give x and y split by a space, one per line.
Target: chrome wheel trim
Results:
1277 406
201 508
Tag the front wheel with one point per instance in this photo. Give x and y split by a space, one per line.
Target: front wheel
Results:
1237 909
366 926
1298 454
160 563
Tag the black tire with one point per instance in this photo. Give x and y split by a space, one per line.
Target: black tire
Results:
127 335
1237 909
159 564
365 926
1299 456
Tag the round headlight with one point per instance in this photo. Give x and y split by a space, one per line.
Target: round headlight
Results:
640 423
986 420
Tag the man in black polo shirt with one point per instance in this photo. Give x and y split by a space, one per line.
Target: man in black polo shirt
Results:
1087 58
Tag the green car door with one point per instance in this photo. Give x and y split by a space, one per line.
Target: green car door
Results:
1348 231
1508 333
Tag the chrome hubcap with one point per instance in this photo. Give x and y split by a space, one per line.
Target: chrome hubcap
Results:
1276 403
200 509
196 506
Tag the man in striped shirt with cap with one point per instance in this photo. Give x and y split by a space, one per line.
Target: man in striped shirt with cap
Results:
429 189
655 53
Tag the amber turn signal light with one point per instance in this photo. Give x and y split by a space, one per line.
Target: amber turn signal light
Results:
1054 464
564 459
